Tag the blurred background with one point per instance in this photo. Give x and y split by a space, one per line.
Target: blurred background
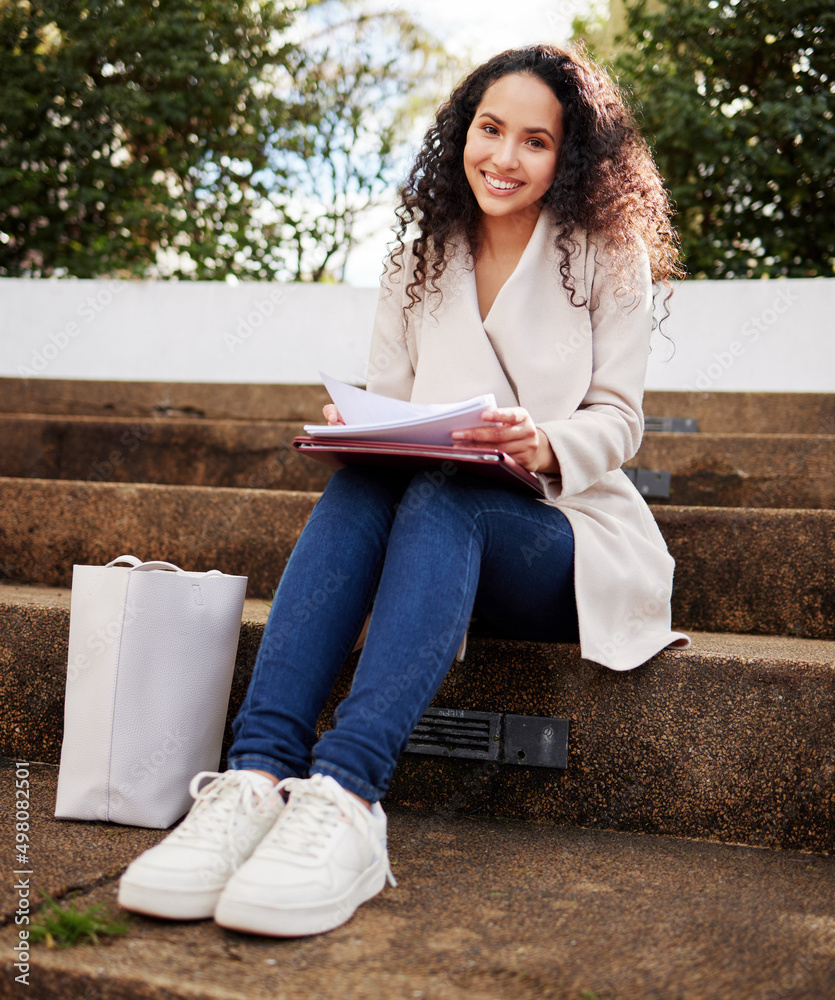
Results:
253 141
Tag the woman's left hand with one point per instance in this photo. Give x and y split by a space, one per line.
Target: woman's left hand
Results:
515 433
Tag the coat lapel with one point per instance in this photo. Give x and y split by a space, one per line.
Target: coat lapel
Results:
533 349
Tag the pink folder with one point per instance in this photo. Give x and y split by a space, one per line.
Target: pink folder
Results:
481 461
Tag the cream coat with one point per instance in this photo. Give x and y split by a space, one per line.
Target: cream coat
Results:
580 373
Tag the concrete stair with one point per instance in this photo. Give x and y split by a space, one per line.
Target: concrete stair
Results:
730 741
744 470
729 577
485 909
752 450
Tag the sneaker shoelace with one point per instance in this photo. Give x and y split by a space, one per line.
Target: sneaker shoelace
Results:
215 804
308 820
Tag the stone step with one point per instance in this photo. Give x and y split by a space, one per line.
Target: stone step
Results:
729 740
753 470
770 572
149 400
716 412
484 910
168 451
748 412
46 526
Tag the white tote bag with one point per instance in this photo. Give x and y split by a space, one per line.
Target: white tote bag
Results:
149 670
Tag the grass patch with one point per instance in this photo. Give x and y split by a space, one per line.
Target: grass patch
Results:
59 926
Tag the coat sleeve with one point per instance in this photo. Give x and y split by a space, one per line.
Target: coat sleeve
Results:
606 429
390 368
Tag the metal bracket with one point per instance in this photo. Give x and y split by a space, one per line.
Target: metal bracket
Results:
650 483
675 425
535 742
531 741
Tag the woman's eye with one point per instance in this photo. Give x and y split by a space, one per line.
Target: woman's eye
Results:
491 130
536 143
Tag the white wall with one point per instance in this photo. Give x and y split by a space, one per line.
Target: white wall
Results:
183 331
729 335
748 336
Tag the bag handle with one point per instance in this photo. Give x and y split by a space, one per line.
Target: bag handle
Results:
132 560
159 564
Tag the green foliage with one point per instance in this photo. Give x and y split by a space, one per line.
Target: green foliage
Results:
737 98
129 127
181 137
351 89
67 926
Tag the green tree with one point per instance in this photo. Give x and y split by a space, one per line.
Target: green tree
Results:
184 137
737 98
129 128
351 89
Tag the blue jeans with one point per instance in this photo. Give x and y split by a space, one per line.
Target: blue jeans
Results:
423 552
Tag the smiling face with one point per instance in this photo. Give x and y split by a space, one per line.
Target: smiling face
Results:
510 157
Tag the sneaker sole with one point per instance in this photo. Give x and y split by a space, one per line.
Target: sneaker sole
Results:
158 902
298 919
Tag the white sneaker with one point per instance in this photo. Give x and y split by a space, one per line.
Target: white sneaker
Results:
183 876
325 856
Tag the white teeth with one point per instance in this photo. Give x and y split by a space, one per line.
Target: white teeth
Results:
501 185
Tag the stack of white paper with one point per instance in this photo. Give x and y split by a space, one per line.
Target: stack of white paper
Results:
369 416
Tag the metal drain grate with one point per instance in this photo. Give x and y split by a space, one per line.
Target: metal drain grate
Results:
454 732
528 740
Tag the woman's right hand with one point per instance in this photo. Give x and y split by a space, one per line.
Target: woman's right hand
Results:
332 414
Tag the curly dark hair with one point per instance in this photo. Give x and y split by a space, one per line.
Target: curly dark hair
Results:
606 181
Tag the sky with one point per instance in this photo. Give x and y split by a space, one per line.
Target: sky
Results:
474 30
485 27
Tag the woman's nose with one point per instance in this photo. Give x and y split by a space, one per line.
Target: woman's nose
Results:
506 156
